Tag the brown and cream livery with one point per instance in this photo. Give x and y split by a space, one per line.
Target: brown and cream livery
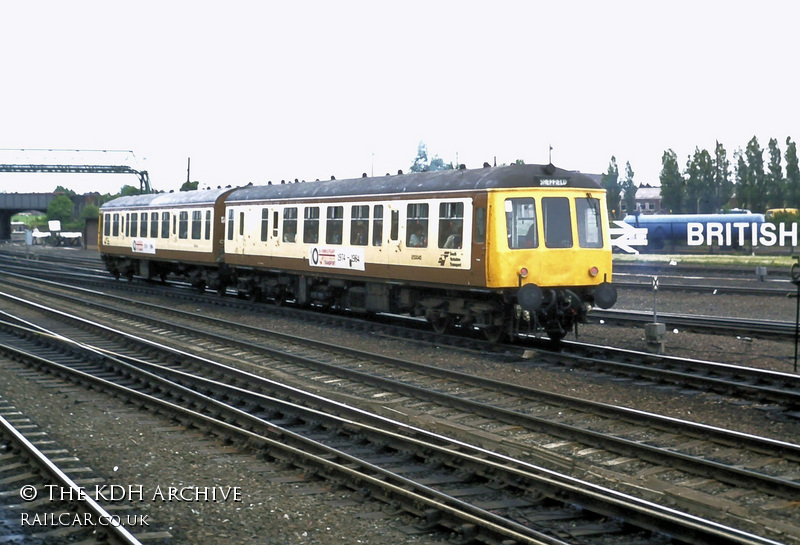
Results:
505 250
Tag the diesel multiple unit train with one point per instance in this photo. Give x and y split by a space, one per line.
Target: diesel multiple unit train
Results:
504 250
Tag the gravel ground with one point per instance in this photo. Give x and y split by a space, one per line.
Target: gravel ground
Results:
128 446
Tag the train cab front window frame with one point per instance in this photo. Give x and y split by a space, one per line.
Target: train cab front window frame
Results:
590 227
521 223
557 222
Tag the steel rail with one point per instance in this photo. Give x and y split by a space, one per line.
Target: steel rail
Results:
693 464
688 528
82 500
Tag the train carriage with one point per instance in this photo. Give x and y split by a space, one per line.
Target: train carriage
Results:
505 250
156 235
453 246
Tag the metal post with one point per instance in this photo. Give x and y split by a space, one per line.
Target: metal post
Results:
796 326
655 299
794 273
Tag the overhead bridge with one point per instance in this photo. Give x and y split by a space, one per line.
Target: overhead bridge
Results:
144 178
12 203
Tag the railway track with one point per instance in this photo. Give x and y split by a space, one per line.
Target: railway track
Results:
470 491
46 495
563 437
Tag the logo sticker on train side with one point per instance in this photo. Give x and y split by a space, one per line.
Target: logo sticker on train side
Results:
453 257
336 257
143 246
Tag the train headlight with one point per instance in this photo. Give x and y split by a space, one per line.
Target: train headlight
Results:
594 271
523 272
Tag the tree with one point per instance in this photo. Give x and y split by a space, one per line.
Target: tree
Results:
755 172
60 209
672 190
775 185
128 190
723 187
629 189
189 186
90 211
64 190
421 163
743 189
792 174
610 181
699 183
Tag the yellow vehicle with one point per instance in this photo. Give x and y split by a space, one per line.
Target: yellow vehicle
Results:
504 250
772 212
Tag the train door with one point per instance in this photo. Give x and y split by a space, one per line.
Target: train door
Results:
477 269
396 236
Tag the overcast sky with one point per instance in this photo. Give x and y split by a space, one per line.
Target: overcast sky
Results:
257 90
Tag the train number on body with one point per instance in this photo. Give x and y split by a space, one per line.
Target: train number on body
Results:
336 257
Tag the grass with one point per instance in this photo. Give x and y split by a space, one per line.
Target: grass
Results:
773 261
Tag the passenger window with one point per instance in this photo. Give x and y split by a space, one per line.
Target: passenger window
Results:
241 224
197 224
183 225
359 225
377 225
590 230
557 222
275 224
230 223
143 224
164 224
115 231
134 225
521 229
154 225
335 224
417 225
264 224
289 224
394 234
106 225
208 225
311 225
451 224
480 225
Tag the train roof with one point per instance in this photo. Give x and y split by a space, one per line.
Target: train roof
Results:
513 176
651 219
180 198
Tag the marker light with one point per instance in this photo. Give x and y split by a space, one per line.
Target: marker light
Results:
523 272
594 271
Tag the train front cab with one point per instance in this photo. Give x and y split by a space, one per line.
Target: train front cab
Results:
550 250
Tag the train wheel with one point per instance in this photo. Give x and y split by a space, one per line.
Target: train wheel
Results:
440 322
494 334
555 334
